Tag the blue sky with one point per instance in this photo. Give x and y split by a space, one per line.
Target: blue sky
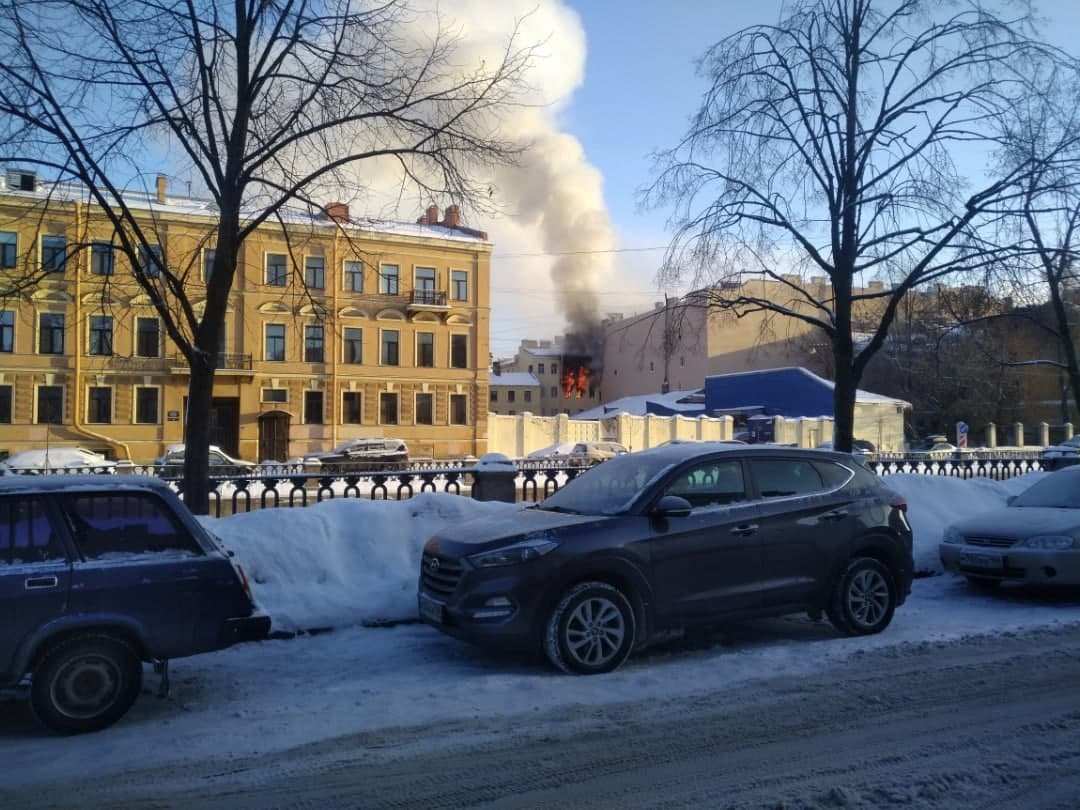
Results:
638 92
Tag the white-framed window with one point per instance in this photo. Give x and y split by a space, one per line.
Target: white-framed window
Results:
313 408
9 249
315 272
277 269
49 408
209 256
389 279
425 350
459 285
278 395
459 351
351 407
51 331
425 409
7 403
390 348
352 345
275 342
352 275
151 260
102 259
101 335
147 337
99 404
388 408
53 253
147 405
459 409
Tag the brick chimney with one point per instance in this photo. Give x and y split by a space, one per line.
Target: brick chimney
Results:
338 212
452 217
162 186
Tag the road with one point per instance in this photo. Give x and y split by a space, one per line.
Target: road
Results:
988 722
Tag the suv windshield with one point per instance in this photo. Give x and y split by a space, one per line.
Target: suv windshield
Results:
1061 490
607 488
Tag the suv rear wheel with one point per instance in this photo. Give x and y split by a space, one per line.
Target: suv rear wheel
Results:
591 630
864 598
85 683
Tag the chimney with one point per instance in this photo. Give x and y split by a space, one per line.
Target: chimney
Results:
452 218
496 367
162 184
338 212
432 215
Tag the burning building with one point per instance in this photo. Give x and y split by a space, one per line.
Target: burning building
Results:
569 379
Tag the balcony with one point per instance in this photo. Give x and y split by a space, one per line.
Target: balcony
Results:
228 364
428 300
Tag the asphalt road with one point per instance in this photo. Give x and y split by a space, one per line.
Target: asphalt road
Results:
989 722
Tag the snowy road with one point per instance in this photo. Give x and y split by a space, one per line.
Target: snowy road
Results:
990 721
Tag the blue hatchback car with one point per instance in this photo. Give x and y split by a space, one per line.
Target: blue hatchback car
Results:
99 574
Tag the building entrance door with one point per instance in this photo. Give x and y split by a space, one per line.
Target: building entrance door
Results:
274 436
224 419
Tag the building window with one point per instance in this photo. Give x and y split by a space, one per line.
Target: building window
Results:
459 285
313 407
209 256
528 396
389 355
9 242
146 405
425 285
6 396
99 405
353 273
459 405
275 341
494 395
276 269
7 330
540 368
313 344
425 409
147 337
353 345
511 396
459 351
351 407
53 254
554 368
150 260
50 333
388 408
315 272
425 349
275 395
102 259
50 404
388 279
554 391
101 334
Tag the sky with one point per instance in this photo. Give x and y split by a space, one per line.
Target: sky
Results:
636 92
309 568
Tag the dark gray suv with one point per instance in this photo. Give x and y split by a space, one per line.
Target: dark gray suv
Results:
684 534
99 574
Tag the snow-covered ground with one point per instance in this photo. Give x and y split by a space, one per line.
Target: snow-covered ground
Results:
352 565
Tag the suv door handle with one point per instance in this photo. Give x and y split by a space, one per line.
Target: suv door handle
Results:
835 514
745 529
41 582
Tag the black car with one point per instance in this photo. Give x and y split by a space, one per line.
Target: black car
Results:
651 542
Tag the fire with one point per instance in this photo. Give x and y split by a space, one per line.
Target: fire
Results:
575 382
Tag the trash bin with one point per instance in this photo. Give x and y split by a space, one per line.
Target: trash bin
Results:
494 478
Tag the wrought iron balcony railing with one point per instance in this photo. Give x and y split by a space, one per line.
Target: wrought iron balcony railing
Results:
226 361
429 298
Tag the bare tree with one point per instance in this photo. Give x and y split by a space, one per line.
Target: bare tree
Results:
826 146
266 101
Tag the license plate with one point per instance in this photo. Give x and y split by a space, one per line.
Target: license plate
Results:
982 560
431 610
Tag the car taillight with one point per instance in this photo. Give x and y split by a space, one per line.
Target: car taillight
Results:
899 502
243 581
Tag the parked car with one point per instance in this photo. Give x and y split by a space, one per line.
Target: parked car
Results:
51 459
1061 455
936 447
859 447
171 462
584 453
363 454
650 542
1034 539
99 576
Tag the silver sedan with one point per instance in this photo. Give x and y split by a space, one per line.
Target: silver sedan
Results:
1035 539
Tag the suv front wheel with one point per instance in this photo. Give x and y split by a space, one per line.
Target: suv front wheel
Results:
85 683
864 598
591 630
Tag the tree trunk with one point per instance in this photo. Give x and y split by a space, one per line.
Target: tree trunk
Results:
1072 362
197 440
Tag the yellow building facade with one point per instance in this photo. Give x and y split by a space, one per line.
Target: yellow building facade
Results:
337 328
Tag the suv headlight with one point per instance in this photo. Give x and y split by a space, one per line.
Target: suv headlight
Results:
1050 542
952 535
514 554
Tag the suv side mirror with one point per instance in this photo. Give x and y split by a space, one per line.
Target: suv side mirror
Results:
672 506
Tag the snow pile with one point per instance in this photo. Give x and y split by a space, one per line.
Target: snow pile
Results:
341 562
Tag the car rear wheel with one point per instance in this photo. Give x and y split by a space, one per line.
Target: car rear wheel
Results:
85 683
864 598
591 630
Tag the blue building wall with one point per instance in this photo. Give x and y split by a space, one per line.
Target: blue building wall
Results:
786 392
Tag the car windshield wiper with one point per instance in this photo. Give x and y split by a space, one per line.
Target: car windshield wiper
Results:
563 509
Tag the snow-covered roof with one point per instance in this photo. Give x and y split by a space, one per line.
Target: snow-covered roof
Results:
198 207
516 379
638 405
552 351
